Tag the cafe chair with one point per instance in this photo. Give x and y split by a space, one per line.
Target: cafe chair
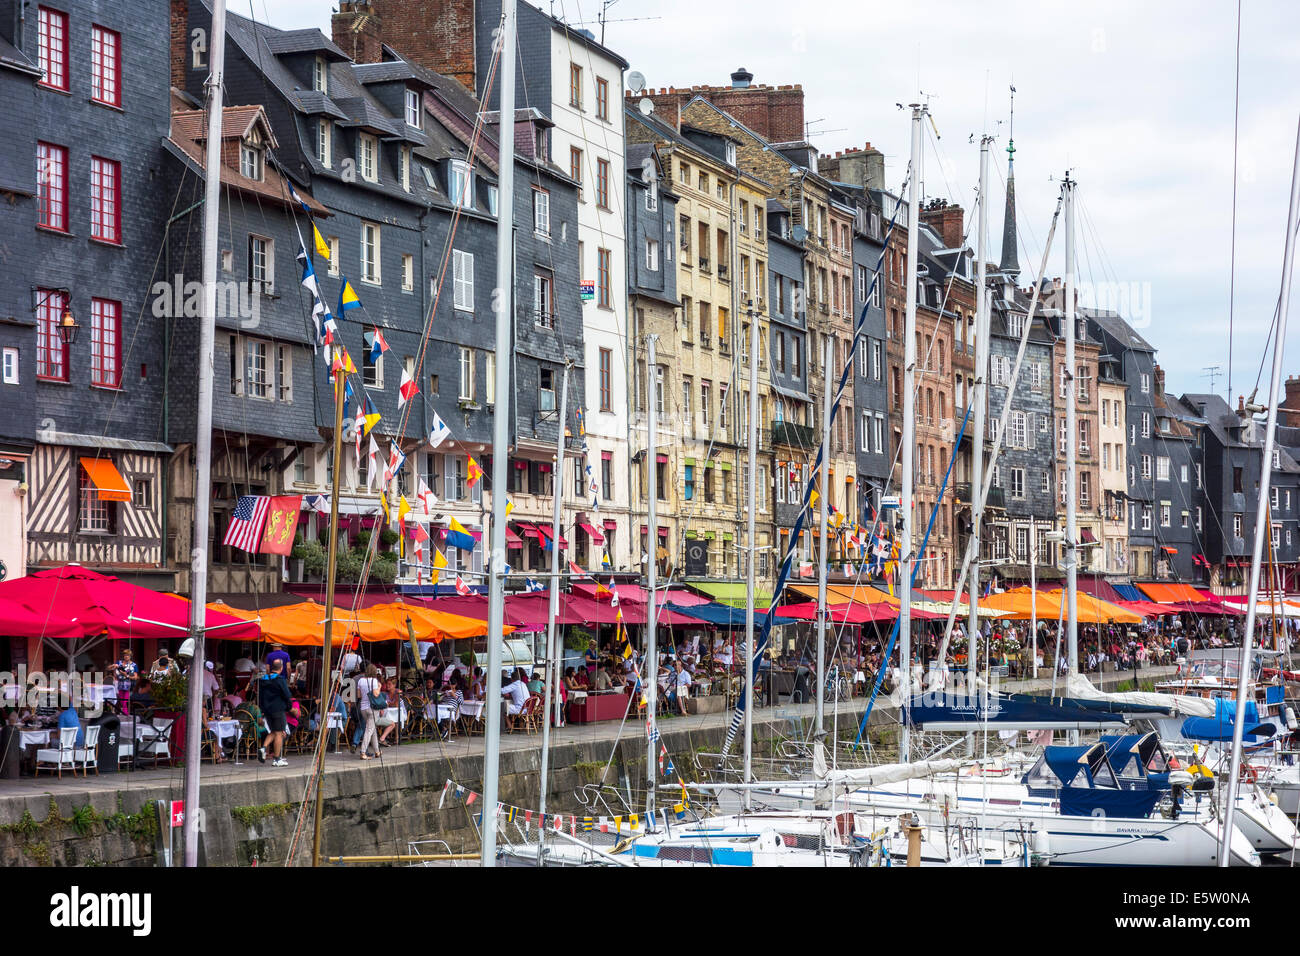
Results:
59 757
531 714
155 739
88 756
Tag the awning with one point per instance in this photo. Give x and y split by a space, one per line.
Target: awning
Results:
1170 593
528 530
108 481
663 531
513 540
722 615
851 593
733 593
593 533
1086 535
610 524
1127 592
546 536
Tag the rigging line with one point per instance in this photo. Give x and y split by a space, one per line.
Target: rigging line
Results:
1232 261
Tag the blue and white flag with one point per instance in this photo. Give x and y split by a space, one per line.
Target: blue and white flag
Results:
439 433
531 585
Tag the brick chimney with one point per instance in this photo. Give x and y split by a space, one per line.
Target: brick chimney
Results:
358 31
435 34
180 19
1160 380
946 220
858 167
773 112
1289 411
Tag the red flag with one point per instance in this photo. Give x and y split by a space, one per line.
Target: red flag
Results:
281 523
576 570
475 473
462 588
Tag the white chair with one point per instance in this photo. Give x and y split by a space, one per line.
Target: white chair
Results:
155 739
88 756
62 756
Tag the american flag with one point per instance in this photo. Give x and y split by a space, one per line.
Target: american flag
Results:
245 528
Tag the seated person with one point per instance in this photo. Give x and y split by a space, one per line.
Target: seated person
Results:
536 684
68 718
603 682
516 694
389 690
455 696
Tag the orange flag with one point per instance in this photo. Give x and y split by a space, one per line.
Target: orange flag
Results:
281 523
475 473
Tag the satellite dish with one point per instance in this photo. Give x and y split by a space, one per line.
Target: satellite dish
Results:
800 233
646 106
636 81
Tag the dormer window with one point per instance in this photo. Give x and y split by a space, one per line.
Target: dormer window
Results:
731 154
492 200
539 143
368 157
320 77
251 160
413 108
460 184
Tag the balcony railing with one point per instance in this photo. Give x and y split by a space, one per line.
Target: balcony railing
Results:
793 435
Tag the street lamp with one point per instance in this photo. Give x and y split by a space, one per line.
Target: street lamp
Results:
68 327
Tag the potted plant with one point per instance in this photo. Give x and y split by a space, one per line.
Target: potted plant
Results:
171 697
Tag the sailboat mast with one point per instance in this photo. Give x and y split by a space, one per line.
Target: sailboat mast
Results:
500 433
553 651
1071 444
650 669
203 433
905 503
979 428
1261 510
750 576
823 509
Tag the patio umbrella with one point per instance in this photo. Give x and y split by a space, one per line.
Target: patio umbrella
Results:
102 606
304 624
849 613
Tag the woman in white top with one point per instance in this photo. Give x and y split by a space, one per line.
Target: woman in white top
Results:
365 687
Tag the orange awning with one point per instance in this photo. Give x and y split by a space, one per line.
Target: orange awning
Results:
1047 606
108 481
304 624
1170 593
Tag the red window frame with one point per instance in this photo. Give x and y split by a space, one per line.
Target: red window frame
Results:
106 343
606 375
52 186
603 277
105 200
53 48
51 350
105 66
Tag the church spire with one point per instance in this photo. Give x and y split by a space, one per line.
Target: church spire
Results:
1010 265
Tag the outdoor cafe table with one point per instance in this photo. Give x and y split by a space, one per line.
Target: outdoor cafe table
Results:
221 729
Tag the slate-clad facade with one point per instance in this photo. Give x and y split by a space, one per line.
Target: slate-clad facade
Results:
81 167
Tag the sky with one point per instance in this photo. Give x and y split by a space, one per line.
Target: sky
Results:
1135 99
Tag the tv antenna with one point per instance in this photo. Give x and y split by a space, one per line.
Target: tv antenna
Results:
1211 372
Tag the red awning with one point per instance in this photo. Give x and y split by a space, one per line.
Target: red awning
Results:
663 532
1086 535
593 533
513 540
546 533
610 524
528 530
1169 550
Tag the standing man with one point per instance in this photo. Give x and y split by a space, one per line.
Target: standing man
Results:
273 697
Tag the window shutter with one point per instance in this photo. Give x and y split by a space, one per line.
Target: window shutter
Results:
449 478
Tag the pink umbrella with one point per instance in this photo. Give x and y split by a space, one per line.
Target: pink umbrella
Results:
100 606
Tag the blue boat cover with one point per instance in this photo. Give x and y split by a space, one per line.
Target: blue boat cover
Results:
1007 710
1088 802
1068 762
1125 755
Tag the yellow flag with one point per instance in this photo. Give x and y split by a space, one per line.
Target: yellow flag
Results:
383 503
403 508
510 506
439 559
812 499
322 247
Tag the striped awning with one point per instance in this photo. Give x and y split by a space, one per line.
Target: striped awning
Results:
108 481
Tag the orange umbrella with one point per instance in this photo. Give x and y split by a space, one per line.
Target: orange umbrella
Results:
304 624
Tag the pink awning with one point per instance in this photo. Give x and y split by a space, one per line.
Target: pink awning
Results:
592 532
546 532
595 613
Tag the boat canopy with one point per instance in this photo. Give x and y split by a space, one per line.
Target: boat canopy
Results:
1219 727
1130 754
937 713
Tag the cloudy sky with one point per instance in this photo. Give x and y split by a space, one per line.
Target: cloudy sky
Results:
1136 99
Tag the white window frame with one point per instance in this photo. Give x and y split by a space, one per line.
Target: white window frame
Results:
542 213
465 391
408 272
463 279
460 184
320 76
371 253
325 142
9 367
652 255
413 110
368 157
